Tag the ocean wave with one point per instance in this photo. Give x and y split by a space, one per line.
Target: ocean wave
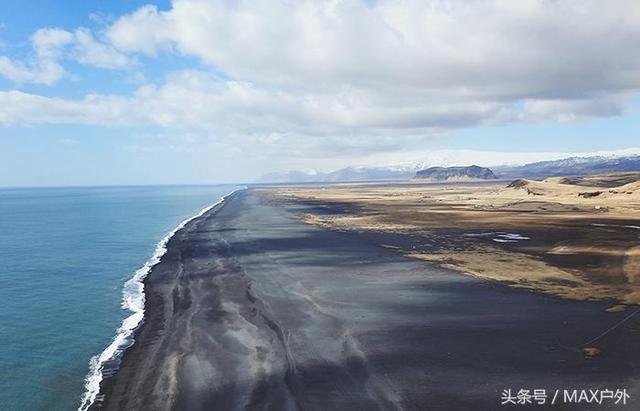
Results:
133 298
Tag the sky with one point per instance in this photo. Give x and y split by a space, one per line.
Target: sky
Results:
110 92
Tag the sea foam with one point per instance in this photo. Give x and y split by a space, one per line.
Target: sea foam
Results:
133 301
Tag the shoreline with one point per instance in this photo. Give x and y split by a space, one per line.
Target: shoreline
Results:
253 308
105 365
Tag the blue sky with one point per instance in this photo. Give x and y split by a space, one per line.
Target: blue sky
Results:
206 91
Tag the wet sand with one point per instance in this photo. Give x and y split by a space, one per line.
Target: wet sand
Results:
251 308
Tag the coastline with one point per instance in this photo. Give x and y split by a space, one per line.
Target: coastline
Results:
105 364
253 308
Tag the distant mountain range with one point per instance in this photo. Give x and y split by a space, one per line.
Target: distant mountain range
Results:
572 166
455 173
345 174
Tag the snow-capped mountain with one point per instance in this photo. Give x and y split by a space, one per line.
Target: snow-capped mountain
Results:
570 166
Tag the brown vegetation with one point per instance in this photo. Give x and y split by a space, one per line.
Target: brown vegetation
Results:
552 236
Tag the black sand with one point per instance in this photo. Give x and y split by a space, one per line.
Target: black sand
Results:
252 309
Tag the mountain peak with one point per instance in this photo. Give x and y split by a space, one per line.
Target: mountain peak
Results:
473 172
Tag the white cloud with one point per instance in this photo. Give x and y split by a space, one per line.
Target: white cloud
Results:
197 99
47 44
478 49
144 31
389 64
52 45
395 65
342 76
566 110
87 50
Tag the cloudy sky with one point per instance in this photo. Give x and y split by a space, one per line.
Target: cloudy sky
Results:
205 91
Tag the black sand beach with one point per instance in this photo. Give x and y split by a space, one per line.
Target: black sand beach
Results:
252 309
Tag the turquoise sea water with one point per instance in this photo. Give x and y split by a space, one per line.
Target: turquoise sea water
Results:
65 254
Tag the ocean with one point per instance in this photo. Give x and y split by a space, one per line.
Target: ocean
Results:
66 255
